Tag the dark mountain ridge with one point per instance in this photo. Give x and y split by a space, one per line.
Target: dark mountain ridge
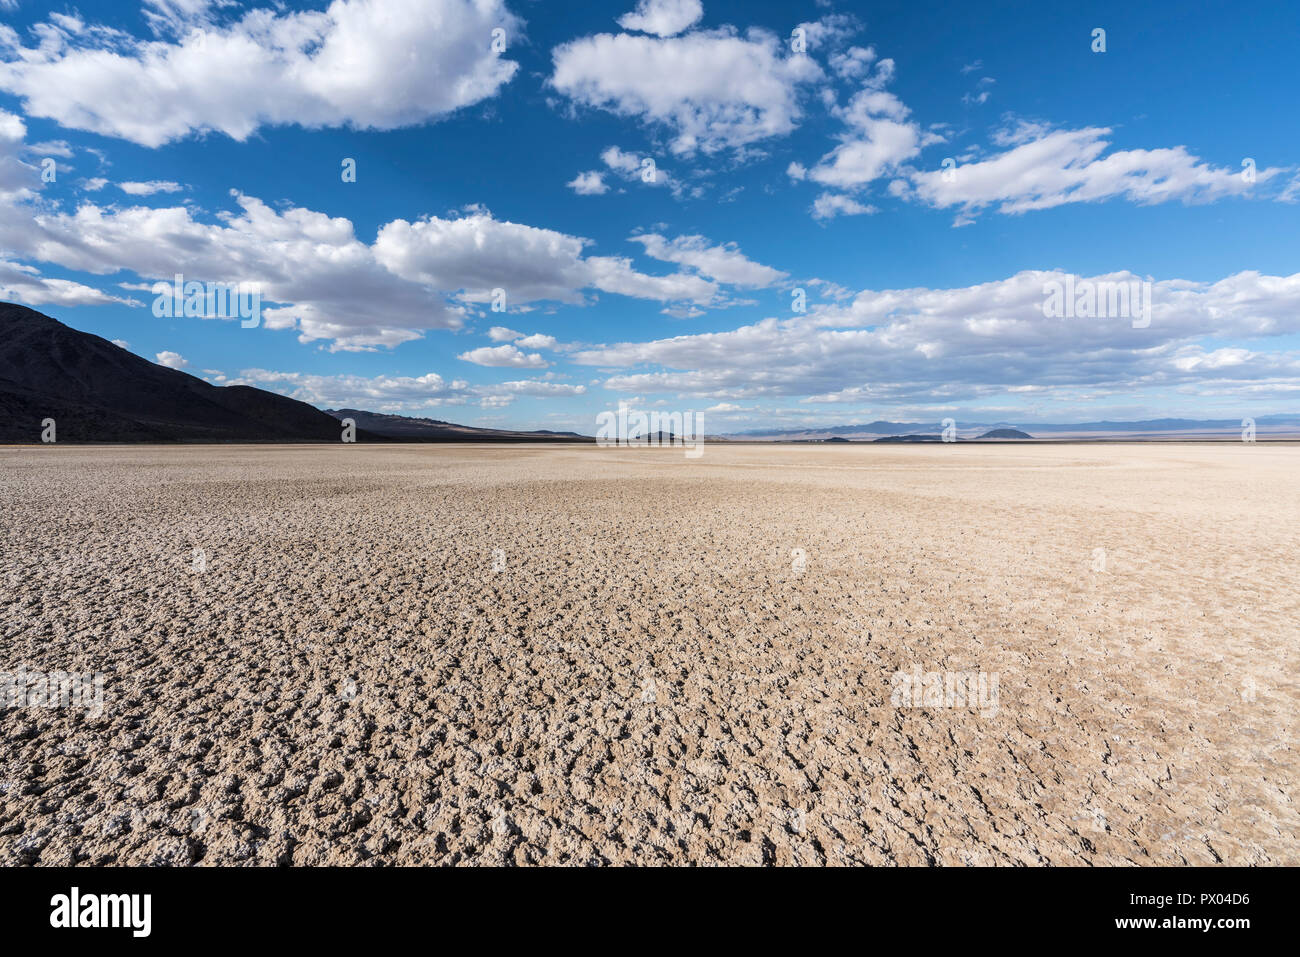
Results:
403 428
98 392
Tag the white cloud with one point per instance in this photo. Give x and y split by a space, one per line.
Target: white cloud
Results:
536 388
316 277
859 160
327 283
725 262
905 345
149 188
501 394
853 63
502 334
622 162
399 393
172 360
368 64
18 179
381 393
506 356
59 148
830 205
713 90
663 17
830 30
682 311
25 284
878 136
536 341
1291 192
634 167
615 274
1218 359
642 169
829 290
174 17
1044 168
981 93
476 254
121 343
590 183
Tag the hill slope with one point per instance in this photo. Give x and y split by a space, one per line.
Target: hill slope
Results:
98 392
402 428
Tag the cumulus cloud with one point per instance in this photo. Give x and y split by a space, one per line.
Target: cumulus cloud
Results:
507 356
313 273
878 136
830 30
724 262
663 17
534 388
628 166
172 360
712 90
326 282
853 63
908 345
383 393
476 254
635 167
25 284
830 205
368 64
1043 168
590 183
536 341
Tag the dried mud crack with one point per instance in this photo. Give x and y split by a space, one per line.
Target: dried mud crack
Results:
484 655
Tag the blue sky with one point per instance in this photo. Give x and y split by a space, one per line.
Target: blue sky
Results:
796 146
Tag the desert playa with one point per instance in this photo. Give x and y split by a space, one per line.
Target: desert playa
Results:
573 655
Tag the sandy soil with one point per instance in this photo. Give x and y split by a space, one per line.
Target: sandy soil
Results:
578 655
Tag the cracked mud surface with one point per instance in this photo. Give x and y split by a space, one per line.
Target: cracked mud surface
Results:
652 677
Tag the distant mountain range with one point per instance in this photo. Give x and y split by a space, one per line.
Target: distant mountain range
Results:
1002 434
1272 426
98 392
930 437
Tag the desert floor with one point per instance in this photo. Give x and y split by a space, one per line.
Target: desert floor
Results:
452 655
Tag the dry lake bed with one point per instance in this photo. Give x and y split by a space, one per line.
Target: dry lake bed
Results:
948 654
